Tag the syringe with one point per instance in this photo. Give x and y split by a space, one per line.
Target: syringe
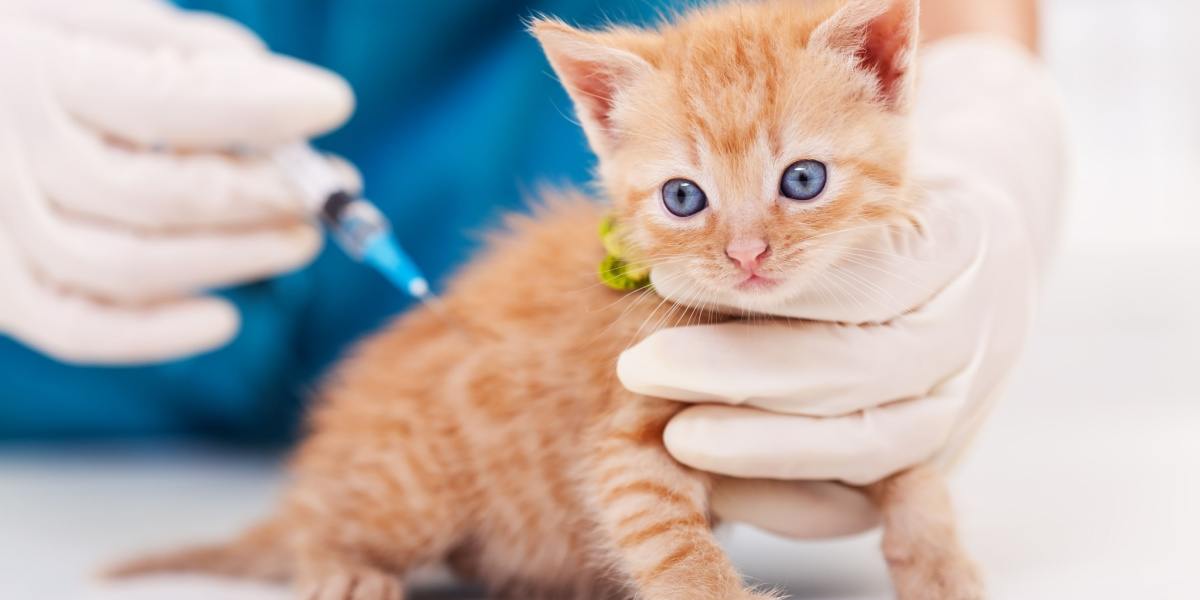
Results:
357 226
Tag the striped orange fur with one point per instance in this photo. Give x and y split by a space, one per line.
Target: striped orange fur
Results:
501 442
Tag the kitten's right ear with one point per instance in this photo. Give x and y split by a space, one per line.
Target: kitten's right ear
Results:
596 68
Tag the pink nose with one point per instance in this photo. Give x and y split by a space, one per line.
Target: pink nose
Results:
748 254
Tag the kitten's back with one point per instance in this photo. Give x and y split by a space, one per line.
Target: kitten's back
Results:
480 418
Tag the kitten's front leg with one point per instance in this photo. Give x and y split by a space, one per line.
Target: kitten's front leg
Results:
653 512
920 541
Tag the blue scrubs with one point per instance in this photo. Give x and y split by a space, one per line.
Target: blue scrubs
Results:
458 118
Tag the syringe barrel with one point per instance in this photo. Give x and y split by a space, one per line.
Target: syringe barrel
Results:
311 172
355 224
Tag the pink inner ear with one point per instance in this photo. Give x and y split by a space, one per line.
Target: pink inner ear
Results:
595 68
882 35
596 88
887 51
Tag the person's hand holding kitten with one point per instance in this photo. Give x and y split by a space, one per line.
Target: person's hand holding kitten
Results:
902 346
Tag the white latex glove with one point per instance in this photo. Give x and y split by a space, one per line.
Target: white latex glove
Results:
909 337
107 242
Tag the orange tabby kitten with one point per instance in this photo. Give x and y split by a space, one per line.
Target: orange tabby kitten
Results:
742 146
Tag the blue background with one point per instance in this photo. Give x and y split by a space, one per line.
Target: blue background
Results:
458 118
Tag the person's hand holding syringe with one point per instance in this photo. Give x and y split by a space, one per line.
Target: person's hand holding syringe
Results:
121 206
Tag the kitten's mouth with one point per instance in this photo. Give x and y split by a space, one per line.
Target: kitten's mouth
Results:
757 282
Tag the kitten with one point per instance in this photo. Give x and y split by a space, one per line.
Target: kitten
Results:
740 147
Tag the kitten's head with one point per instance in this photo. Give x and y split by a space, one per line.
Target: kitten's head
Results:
745 144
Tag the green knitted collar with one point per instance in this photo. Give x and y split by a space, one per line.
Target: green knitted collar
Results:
618 271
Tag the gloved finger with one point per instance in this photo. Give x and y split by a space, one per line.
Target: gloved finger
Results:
123 265
347 173
858 449
142 23
881 271
157 191
809 368
797 509
200 100
80 330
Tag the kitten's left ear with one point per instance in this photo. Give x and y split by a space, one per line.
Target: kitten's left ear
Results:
595 68
882 36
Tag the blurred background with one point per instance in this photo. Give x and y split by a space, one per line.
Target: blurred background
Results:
1085 484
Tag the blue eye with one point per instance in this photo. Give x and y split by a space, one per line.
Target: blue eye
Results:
683 198
804 180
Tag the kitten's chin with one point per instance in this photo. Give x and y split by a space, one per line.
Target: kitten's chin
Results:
765 295
758 296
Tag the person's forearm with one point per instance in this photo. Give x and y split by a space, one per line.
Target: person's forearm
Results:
1032 143
1016 19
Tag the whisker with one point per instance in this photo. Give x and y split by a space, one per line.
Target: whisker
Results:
855 291
873 289
897 276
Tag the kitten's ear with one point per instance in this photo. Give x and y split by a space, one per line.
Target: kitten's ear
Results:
596 68
882 36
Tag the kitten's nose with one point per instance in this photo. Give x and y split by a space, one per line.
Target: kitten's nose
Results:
748 254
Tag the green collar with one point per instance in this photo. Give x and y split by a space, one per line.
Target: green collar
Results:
618 271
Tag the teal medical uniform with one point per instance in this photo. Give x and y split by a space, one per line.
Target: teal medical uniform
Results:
458 118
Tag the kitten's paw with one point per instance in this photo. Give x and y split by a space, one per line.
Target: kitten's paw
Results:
354 585
939 580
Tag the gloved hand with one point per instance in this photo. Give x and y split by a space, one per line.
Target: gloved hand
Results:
108 241
918 333
909 338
